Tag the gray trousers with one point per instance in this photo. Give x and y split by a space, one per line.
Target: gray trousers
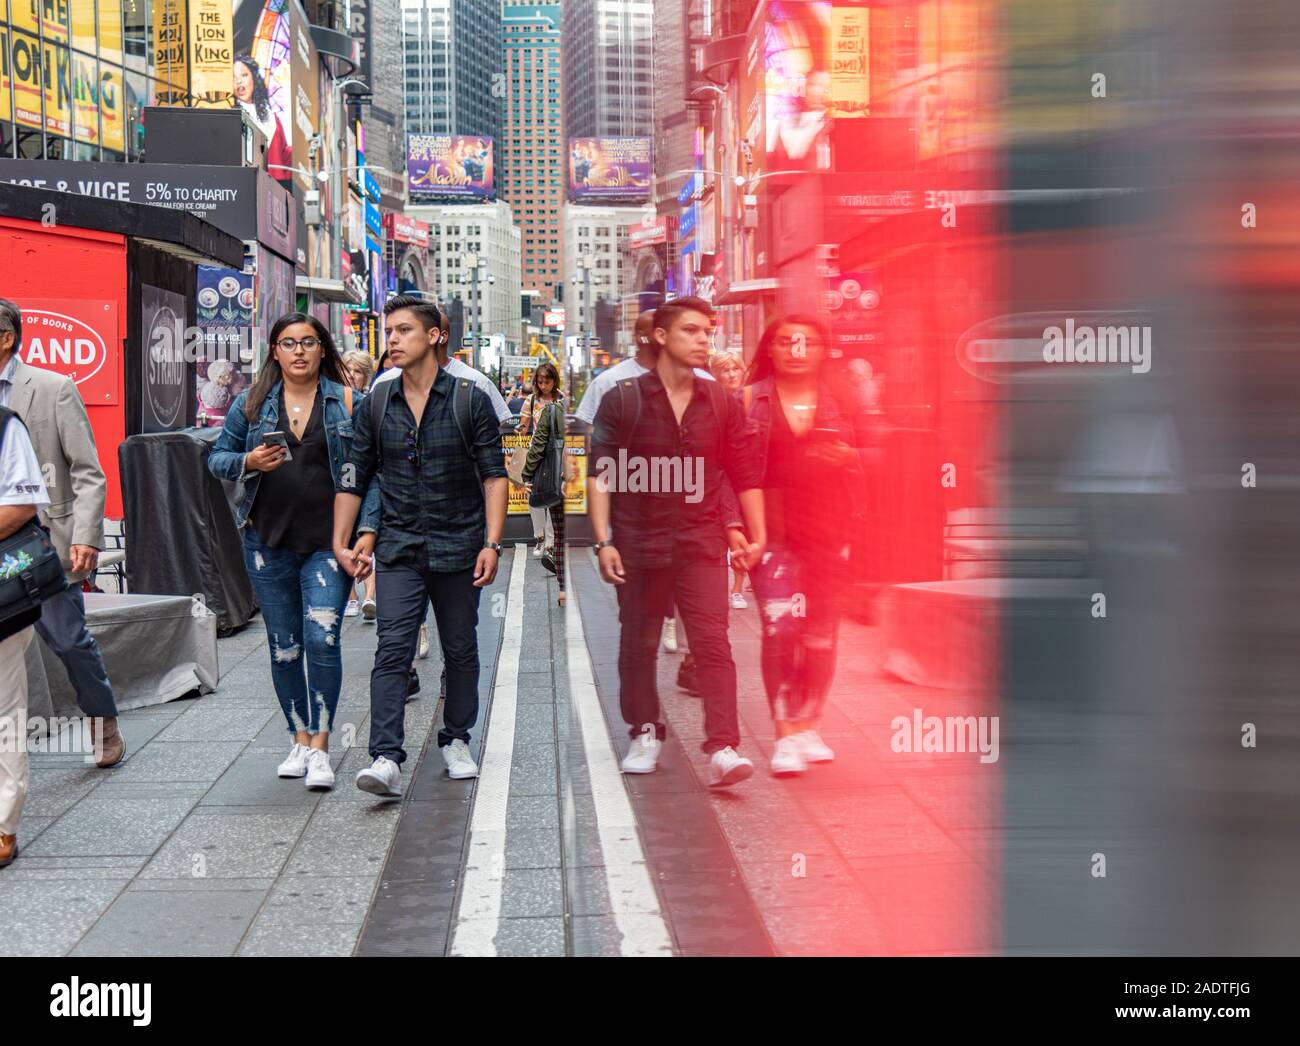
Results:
63 628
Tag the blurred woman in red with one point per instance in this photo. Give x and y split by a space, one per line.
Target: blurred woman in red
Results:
813 473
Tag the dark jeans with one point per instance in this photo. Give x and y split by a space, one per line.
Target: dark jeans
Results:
700 591
800 599
302 599
401 590
62 626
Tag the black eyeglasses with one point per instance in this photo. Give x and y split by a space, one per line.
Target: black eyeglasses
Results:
413 447
291 345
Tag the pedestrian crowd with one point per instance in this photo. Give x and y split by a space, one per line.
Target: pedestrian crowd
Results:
385 494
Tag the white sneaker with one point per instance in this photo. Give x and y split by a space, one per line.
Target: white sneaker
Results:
368 609
813 748
738 601
670 635
423 650
538 548
296 764
727 768
460 764
382 777
319 775
787 758
352 609
643 755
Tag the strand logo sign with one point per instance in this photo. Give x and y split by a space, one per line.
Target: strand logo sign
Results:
162 315
77 338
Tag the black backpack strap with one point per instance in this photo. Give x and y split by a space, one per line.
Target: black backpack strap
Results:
460 405
629 394
379 396
5 415
718 401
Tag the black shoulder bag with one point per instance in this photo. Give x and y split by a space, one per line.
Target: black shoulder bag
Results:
30 571
548 483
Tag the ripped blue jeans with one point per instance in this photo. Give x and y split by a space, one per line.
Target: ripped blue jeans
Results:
302 599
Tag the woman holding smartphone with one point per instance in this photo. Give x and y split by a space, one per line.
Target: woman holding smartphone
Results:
288 438
812 468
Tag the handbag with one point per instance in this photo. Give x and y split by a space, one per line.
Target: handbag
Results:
548 482
515 462
30 570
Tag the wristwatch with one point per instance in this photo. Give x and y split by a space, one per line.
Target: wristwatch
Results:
602 544
493 546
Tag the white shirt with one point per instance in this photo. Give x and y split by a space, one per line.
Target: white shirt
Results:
7 380
607 379
457 369
21 482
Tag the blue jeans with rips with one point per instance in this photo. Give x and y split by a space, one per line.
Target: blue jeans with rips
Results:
302 599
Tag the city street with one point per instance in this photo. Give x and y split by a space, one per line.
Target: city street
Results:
192 846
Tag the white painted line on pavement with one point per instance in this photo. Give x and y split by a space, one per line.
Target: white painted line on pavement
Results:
632 894
478 916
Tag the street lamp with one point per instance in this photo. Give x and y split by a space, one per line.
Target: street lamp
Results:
474 263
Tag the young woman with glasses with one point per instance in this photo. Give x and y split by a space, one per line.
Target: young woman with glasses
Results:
288 438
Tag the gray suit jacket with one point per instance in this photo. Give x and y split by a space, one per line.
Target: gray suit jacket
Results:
54 414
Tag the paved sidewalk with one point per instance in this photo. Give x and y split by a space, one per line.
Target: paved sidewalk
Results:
192 845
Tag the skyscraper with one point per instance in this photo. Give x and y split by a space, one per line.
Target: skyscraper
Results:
450 56
531 154
609 68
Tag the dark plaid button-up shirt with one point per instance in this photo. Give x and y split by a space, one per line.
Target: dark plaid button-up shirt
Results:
671 487
432 511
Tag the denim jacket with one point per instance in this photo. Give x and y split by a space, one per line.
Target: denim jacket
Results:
239 436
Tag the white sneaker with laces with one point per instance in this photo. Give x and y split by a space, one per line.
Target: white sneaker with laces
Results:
368 610
460 764
423 650
352 609
727 768
738 601
643 754
296 764
383 777
320 777
670 635
538 548
787 758
813 748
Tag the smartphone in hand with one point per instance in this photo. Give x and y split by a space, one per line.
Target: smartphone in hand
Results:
278 439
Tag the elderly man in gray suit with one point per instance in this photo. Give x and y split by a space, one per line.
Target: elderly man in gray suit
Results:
55 416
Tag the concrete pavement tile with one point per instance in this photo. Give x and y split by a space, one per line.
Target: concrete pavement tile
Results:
192 884
276 939
112 825
216 724
345 839
532 770
588 888
529 892
532 848
534 724
54 869
49 917
826 931
172 924
179 762
320 901
810 882
532 811
52 791
234 843
531 937
251 781
30 828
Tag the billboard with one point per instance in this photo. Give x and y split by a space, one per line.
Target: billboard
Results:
448 166
610 169
82 98
806 66
263 81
